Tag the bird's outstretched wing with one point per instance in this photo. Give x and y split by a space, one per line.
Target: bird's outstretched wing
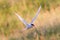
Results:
21 19
35 15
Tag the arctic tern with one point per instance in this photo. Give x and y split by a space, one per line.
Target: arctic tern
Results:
28 26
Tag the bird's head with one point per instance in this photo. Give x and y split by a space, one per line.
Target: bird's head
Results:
32 24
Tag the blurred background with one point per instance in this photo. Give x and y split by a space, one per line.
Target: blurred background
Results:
47 22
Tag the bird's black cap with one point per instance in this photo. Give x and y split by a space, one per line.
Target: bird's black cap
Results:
32 24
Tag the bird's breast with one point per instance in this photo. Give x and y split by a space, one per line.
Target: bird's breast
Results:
29 26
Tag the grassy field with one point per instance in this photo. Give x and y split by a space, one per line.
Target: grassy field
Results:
47 22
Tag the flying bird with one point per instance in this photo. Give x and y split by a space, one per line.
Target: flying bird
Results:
30 25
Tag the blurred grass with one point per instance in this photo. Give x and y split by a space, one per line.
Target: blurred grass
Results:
27 9
50 34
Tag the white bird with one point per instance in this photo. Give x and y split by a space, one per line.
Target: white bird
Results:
25 23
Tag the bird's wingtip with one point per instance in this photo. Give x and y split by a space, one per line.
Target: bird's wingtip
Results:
16 13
